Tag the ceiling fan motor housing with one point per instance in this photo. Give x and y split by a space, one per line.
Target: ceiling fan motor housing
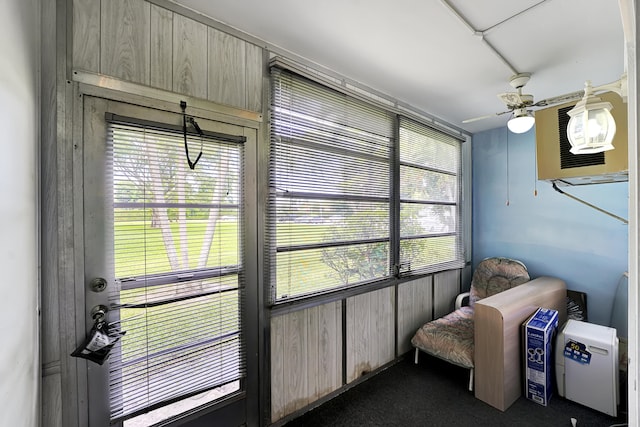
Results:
519 80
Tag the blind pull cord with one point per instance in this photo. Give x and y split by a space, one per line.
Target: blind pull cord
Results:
185 118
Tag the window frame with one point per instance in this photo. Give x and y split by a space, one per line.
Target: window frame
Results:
462 205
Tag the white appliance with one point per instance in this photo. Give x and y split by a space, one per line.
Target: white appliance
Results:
587 365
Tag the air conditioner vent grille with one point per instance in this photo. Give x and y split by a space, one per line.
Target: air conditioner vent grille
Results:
567 159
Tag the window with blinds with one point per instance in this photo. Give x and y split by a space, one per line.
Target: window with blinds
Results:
332 210
177 266
430 214
330 189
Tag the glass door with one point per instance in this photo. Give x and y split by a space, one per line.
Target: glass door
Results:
164 237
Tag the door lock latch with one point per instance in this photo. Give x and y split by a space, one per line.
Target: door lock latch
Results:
98 284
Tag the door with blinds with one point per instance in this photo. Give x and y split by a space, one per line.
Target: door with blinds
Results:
165 264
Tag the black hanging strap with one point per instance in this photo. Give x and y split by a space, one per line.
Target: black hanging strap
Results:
185 118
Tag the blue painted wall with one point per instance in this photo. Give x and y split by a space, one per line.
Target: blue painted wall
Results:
551 233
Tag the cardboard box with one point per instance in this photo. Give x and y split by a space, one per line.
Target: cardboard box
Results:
539 332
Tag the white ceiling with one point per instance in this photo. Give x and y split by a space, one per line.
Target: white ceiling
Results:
420 53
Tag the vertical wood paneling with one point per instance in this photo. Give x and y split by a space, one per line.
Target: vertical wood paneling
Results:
329 371
376 329
358 315
414 309
86 35
71 290
144 43
254 71
50 317
446 286
382 327
189 57
370 332
227 63
295 346
51 400
423 303
124 41
390 322
50 332
312 353
278 357
306 357
161 55
405 315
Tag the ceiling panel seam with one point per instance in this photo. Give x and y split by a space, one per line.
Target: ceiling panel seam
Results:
511 17
481 33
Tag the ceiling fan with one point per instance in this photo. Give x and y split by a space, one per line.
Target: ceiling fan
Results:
520 104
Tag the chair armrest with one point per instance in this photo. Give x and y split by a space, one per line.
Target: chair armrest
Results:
461 298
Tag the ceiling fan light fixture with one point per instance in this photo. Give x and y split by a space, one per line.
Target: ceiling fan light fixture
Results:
591 127
521 121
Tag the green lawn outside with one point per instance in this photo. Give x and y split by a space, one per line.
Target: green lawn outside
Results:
140 248
298 273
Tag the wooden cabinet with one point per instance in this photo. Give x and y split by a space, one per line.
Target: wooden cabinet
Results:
498 340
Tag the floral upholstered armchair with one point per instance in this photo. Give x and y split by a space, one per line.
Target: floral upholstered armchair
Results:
451 337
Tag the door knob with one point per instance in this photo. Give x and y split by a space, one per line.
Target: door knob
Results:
98 312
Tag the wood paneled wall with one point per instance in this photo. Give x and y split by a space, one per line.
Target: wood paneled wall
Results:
415 308
307 356
306 361
446 286
370 332
51 387
140 42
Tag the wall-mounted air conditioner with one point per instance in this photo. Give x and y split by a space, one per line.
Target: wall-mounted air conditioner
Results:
557 163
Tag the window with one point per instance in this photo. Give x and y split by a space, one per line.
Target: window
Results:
330 188
429 199
332 205
177 264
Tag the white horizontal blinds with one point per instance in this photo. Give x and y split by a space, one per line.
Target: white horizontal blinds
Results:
177 245
430 193
329 189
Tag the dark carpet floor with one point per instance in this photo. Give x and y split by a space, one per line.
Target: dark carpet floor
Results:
434 393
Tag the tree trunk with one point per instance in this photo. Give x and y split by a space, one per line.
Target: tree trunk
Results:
161 214
212 219
182 214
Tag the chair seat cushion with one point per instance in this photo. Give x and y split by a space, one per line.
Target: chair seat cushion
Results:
449 337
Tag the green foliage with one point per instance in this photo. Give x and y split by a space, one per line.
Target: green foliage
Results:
357 263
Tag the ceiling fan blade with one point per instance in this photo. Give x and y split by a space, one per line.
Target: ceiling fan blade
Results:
567 97
488 116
